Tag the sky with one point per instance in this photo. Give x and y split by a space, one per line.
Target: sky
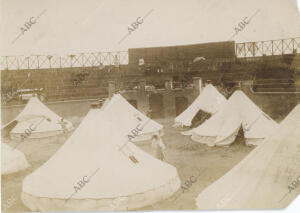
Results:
75 26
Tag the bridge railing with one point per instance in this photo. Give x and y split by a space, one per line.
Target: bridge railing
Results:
54 61
246 49
272 47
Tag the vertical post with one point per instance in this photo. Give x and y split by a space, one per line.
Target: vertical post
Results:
272 47
200 85
38 64
111 88
6 60
49 58
293 41
27 62
253 48
142 98
60 61
109 56
82 54
18 65
282 50
99 57
71 56
197 81
95 60
169 100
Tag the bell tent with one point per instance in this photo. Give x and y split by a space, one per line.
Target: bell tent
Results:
113 173
127 111
239 111
268 178
209 101
12 160
37 121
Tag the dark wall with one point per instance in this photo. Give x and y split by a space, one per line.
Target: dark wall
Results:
60 84
277 106
183 53
181 104
75 110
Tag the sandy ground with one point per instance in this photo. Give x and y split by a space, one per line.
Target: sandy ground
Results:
190 159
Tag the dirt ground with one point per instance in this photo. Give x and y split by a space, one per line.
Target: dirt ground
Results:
190 159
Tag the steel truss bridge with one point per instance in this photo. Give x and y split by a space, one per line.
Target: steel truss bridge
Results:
98 59
268 48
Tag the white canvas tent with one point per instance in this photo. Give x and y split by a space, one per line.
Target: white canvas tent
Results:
265 178
119 179
239 111
209 101
12 160
127 111
39 117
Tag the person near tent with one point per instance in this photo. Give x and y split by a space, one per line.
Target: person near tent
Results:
158 147
63 125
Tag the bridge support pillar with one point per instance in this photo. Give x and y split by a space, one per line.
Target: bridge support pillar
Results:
169 100
142 98
111 88
197 81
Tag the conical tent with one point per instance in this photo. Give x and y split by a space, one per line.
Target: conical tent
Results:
127 111
12 160
239 111
209 101
120 175
39 121
266 179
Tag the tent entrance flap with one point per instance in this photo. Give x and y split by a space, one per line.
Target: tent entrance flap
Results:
199 118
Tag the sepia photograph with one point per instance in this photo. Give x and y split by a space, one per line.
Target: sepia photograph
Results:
136 105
